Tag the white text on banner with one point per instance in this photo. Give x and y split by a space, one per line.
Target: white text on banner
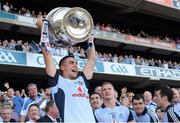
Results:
37 60
119 69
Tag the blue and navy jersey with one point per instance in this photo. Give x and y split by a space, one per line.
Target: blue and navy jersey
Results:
72 98
171 114
146 116
152 106
118 113
177 106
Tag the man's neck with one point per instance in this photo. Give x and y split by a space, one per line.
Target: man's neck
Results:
166 105
147 102
67 77
34 97
10 97
110 103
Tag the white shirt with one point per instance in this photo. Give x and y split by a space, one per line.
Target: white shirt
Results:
72 99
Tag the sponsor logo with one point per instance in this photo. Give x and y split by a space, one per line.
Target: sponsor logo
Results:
119 69
82 63
79 83
80 92
40 60
7 57
158 72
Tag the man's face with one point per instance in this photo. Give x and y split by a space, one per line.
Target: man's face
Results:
107 91
54 111
138 106
130 96
125 101
147 97
95 101
32 91
34 113
98 89
48 92
158 99
10 92
69 68
6 114
123 90
17 93
176 97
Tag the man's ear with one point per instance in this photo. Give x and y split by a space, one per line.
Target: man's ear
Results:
164 98
62 67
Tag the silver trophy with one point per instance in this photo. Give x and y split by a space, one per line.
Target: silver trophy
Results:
69 26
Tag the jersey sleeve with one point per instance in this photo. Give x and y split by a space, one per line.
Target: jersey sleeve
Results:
53 80
85 80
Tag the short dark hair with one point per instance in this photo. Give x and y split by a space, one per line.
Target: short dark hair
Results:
49 104
158 108
62 60
95 93
10 88
138 97
165 91
34 104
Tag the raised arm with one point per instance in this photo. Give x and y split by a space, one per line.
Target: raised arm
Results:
50 66
91 56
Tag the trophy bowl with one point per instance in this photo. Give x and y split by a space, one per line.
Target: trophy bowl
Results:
69 26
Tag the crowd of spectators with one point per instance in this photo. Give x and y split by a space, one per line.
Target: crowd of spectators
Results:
79 52
7 7
16 104
140 34
36 105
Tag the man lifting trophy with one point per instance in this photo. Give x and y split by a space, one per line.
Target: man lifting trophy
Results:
66 27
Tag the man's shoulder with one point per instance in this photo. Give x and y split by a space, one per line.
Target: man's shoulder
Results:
117 107
44 119
18 97
152 104
28 100
98 110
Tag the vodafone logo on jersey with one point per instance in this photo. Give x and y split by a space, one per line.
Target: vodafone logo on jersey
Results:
80 89
80 92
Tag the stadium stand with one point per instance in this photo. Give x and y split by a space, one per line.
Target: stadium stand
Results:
137 47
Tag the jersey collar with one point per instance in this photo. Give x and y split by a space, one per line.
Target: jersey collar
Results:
169 106
103 106
144 112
